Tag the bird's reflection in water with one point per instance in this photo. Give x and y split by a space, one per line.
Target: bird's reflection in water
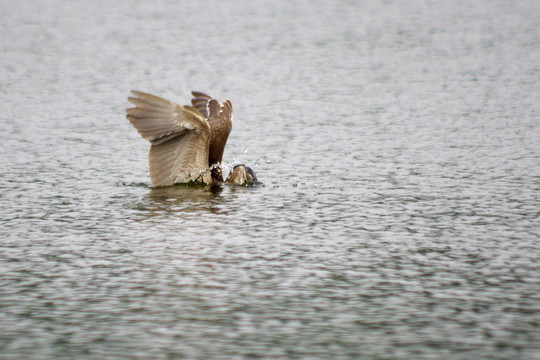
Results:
184 198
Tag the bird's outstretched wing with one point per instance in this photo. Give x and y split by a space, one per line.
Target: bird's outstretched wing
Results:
220 118
179 137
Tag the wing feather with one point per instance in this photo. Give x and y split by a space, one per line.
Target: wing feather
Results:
147 106
154 100
200 102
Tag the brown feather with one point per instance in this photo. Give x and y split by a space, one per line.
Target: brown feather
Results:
199 101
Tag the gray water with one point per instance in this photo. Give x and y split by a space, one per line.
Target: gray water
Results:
398 144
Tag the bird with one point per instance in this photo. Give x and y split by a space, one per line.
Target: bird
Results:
186 141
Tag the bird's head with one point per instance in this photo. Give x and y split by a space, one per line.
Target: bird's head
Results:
241 175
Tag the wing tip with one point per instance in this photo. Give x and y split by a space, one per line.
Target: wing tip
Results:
199 94
137 93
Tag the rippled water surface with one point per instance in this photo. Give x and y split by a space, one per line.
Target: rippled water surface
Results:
398 144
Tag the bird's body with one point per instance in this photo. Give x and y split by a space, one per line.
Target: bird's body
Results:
187 142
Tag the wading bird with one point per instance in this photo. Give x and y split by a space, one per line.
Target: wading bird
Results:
187 142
